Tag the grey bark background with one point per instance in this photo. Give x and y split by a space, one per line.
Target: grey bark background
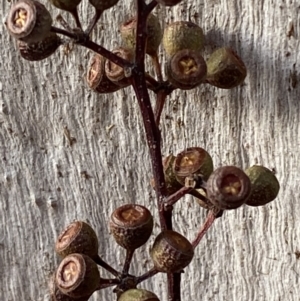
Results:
46 182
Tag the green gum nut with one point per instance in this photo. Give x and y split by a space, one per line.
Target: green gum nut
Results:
225 69
182 35
265 186
138 295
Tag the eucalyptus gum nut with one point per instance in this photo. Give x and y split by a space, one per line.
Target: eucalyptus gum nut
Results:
103 4
78 237
171 252
41 49
170 177
186 69
193 160
131 225
29 21
77 276
96 77
115 73
154 33
225 69
138 295
265 186
68 5
169 2
182 35
228 187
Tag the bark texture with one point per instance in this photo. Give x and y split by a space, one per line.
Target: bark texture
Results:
67 153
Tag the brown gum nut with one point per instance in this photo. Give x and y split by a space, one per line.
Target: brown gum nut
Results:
103 4
192 161
225 69
78 237
138 295
171 252
228 187
186 69
265 186
182 35
77 276
96 77
41 49
154 33
67 5
170 177
29 21
131 225
115 73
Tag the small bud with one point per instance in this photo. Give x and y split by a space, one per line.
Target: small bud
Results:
228 187
171 252
186 69
131 225
225 69
265 186
138 295
96 77
29 21
77 276
182 35
41 49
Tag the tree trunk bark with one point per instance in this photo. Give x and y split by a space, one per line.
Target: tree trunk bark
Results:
68 154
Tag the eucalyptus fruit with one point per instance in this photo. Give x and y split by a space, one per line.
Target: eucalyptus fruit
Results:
154 33
131 225
77 276
138 295
78 237
96 77
186 69
182 35
41 49
29 21
264 184
225 69
171 252
192 161
228 187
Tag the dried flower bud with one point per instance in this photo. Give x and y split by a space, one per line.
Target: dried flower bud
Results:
29 21
265 186
77 276
67 5
186 69
182 35
96 77
225 69
131 225
41 49
115 73
192 161
103 4
154 33
169 2
78 237
228 187
138 295
171 252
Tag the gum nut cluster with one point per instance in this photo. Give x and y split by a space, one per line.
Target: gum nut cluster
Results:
30 23
77 276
